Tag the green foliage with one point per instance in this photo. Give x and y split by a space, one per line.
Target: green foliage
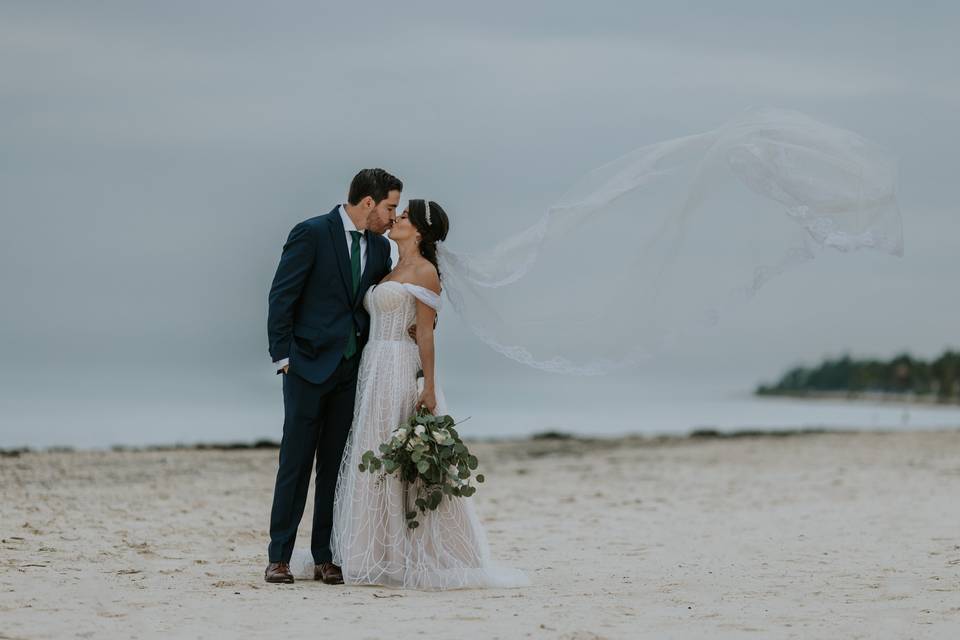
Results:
903 374
427 454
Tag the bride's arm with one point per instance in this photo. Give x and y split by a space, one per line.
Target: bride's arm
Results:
427 278
425 316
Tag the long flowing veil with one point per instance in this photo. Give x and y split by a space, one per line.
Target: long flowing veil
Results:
671 235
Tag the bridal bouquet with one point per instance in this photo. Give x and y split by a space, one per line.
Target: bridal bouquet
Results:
428 449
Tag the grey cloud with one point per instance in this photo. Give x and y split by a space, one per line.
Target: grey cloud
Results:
156 154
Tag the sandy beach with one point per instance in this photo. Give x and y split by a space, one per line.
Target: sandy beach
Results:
846 535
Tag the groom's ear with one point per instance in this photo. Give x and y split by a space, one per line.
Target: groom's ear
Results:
368 203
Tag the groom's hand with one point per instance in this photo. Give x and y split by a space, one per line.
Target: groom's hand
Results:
286 368
412 332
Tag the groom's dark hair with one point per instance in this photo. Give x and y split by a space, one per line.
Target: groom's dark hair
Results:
375 183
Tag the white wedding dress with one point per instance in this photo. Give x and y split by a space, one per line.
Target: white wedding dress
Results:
371 541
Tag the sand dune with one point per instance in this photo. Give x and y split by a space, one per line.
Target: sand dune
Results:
822 535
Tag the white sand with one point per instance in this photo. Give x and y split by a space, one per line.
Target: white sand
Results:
815 536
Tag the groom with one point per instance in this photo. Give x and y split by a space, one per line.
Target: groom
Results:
317 327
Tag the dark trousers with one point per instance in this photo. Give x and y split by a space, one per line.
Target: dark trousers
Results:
316 424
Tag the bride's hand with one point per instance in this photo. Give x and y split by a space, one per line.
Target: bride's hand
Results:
428 400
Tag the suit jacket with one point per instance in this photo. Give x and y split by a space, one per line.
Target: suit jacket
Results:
312 309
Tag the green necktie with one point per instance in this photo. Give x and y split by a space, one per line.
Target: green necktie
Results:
355 272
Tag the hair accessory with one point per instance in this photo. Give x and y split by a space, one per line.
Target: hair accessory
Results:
426 203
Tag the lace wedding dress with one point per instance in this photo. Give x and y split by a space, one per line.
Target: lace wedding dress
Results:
371 541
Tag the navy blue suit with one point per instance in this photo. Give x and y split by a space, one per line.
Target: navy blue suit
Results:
312 311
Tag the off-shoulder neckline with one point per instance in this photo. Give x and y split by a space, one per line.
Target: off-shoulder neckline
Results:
408 284
427 296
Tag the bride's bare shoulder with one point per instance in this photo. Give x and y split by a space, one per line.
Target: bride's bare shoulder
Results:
426 276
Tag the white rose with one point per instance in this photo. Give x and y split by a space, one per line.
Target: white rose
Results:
420 430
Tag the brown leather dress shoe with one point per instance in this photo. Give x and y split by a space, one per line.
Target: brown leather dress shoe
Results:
278 572
328 572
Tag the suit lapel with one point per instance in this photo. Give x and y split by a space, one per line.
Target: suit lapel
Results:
338 237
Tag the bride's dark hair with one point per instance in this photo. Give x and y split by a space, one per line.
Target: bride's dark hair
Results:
432 233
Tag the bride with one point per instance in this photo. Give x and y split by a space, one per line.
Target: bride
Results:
370 540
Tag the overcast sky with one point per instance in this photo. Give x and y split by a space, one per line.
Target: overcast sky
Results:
155 155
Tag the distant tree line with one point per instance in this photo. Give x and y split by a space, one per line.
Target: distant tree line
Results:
903 375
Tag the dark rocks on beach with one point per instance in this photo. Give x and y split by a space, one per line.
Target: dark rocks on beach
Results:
551 435
759 433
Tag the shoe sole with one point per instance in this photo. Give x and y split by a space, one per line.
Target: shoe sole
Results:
279 580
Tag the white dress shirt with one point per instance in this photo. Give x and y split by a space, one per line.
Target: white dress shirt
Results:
348 226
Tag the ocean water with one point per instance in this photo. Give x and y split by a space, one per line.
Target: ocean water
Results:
100 409
677 405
